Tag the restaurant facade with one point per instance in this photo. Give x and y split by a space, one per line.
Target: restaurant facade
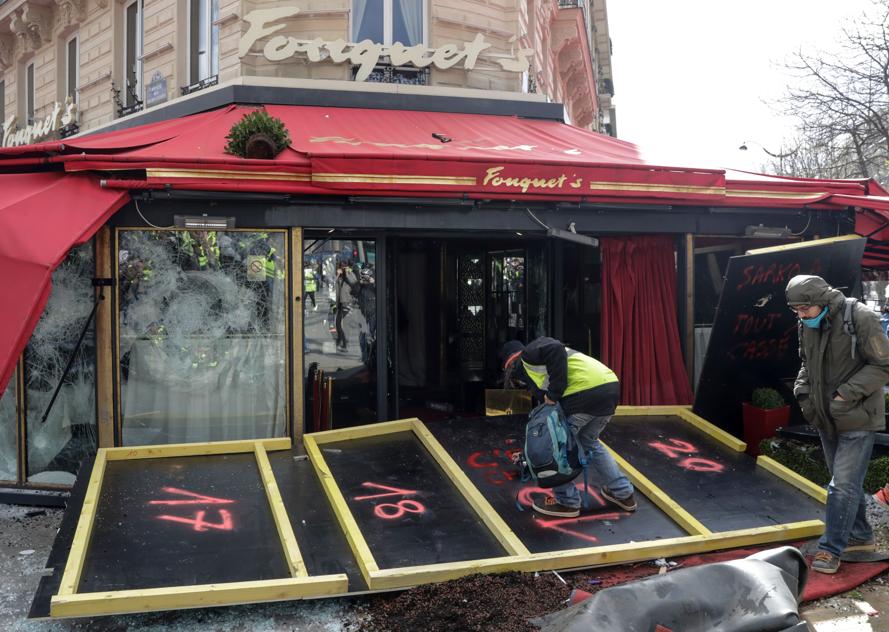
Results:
449 184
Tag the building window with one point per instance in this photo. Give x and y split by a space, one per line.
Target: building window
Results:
388 21
30 96
203 37
2 105
133 30
72 65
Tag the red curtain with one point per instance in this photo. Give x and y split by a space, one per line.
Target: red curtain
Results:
640 334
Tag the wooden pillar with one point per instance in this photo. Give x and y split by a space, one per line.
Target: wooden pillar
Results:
105 369
296 334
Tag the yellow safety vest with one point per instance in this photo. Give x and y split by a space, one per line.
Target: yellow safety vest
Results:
584 373
311 284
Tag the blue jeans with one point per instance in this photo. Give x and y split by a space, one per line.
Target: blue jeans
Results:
847 455
586 429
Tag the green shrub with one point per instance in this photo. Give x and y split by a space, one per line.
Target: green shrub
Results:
808 460
886 395
767 398
256 122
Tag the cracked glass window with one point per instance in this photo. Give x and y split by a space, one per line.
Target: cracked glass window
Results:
57 446
202 335
8 425
340 332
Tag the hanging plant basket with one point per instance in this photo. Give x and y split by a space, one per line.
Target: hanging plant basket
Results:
257 135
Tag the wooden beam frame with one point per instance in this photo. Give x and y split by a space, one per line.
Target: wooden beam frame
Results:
700 538
69 603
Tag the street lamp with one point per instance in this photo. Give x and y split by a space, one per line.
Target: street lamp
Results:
743 147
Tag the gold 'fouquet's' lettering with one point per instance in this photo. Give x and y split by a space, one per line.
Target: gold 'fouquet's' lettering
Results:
365 54
493 177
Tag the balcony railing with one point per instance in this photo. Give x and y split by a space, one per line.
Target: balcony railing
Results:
386 73
571 4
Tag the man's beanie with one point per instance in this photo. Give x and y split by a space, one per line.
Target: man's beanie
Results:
511 347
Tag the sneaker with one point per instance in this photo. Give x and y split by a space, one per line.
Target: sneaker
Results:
551 507
826 562
860 545
627 504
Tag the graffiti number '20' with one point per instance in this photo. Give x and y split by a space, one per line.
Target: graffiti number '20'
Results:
676 449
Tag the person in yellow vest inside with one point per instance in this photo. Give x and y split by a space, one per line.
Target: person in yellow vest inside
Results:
588 392
310 284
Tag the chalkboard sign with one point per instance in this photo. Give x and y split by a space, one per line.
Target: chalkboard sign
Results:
754 338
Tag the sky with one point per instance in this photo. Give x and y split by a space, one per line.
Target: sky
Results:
694 79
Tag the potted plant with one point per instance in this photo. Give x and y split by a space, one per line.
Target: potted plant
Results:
257 135
763 415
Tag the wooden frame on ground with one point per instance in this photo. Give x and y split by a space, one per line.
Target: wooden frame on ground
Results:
519 558
69 603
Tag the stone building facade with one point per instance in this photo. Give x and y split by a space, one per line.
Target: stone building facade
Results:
115 58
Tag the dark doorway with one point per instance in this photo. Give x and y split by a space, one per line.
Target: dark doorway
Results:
455 302
581 296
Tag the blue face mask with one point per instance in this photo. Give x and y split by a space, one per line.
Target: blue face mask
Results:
814 323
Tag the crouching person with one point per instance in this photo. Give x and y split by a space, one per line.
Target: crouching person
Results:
844 365
588 392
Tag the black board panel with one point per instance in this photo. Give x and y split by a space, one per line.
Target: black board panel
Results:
725 490
753 342
321 541
482 446
182 521
61 546
409 513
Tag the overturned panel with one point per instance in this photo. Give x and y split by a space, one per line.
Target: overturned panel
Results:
483 452
397 504
182 527
725 489
408 511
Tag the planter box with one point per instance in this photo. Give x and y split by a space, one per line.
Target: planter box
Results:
762 423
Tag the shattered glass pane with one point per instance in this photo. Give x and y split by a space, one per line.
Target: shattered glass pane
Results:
8 424
340 332
202 331
57 446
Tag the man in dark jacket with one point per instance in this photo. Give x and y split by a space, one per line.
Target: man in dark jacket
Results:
588 392
840 391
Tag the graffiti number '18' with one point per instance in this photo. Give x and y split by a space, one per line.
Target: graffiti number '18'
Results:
392 511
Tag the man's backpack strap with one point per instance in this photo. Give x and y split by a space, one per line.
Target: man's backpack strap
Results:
849 322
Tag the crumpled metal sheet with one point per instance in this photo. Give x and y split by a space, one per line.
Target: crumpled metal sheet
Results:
757 594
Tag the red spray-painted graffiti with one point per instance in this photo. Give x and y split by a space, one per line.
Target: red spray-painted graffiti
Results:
392 511
198 523
678 448
563 525
497 464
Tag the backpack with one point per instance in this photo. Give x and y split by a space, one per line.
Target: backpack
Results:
551 456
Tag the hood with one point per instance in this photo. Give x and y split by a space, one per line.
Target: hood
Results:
807 289
511 347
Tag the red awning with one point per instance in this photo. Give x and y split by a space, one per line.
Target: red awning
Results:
385 152
42 216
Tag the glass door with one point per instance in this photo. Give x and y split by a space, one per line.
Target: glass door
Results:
339 331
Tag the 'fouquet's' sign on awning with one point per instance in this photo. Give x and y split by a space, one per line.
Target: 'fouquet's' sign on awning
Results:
365 54
60 115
